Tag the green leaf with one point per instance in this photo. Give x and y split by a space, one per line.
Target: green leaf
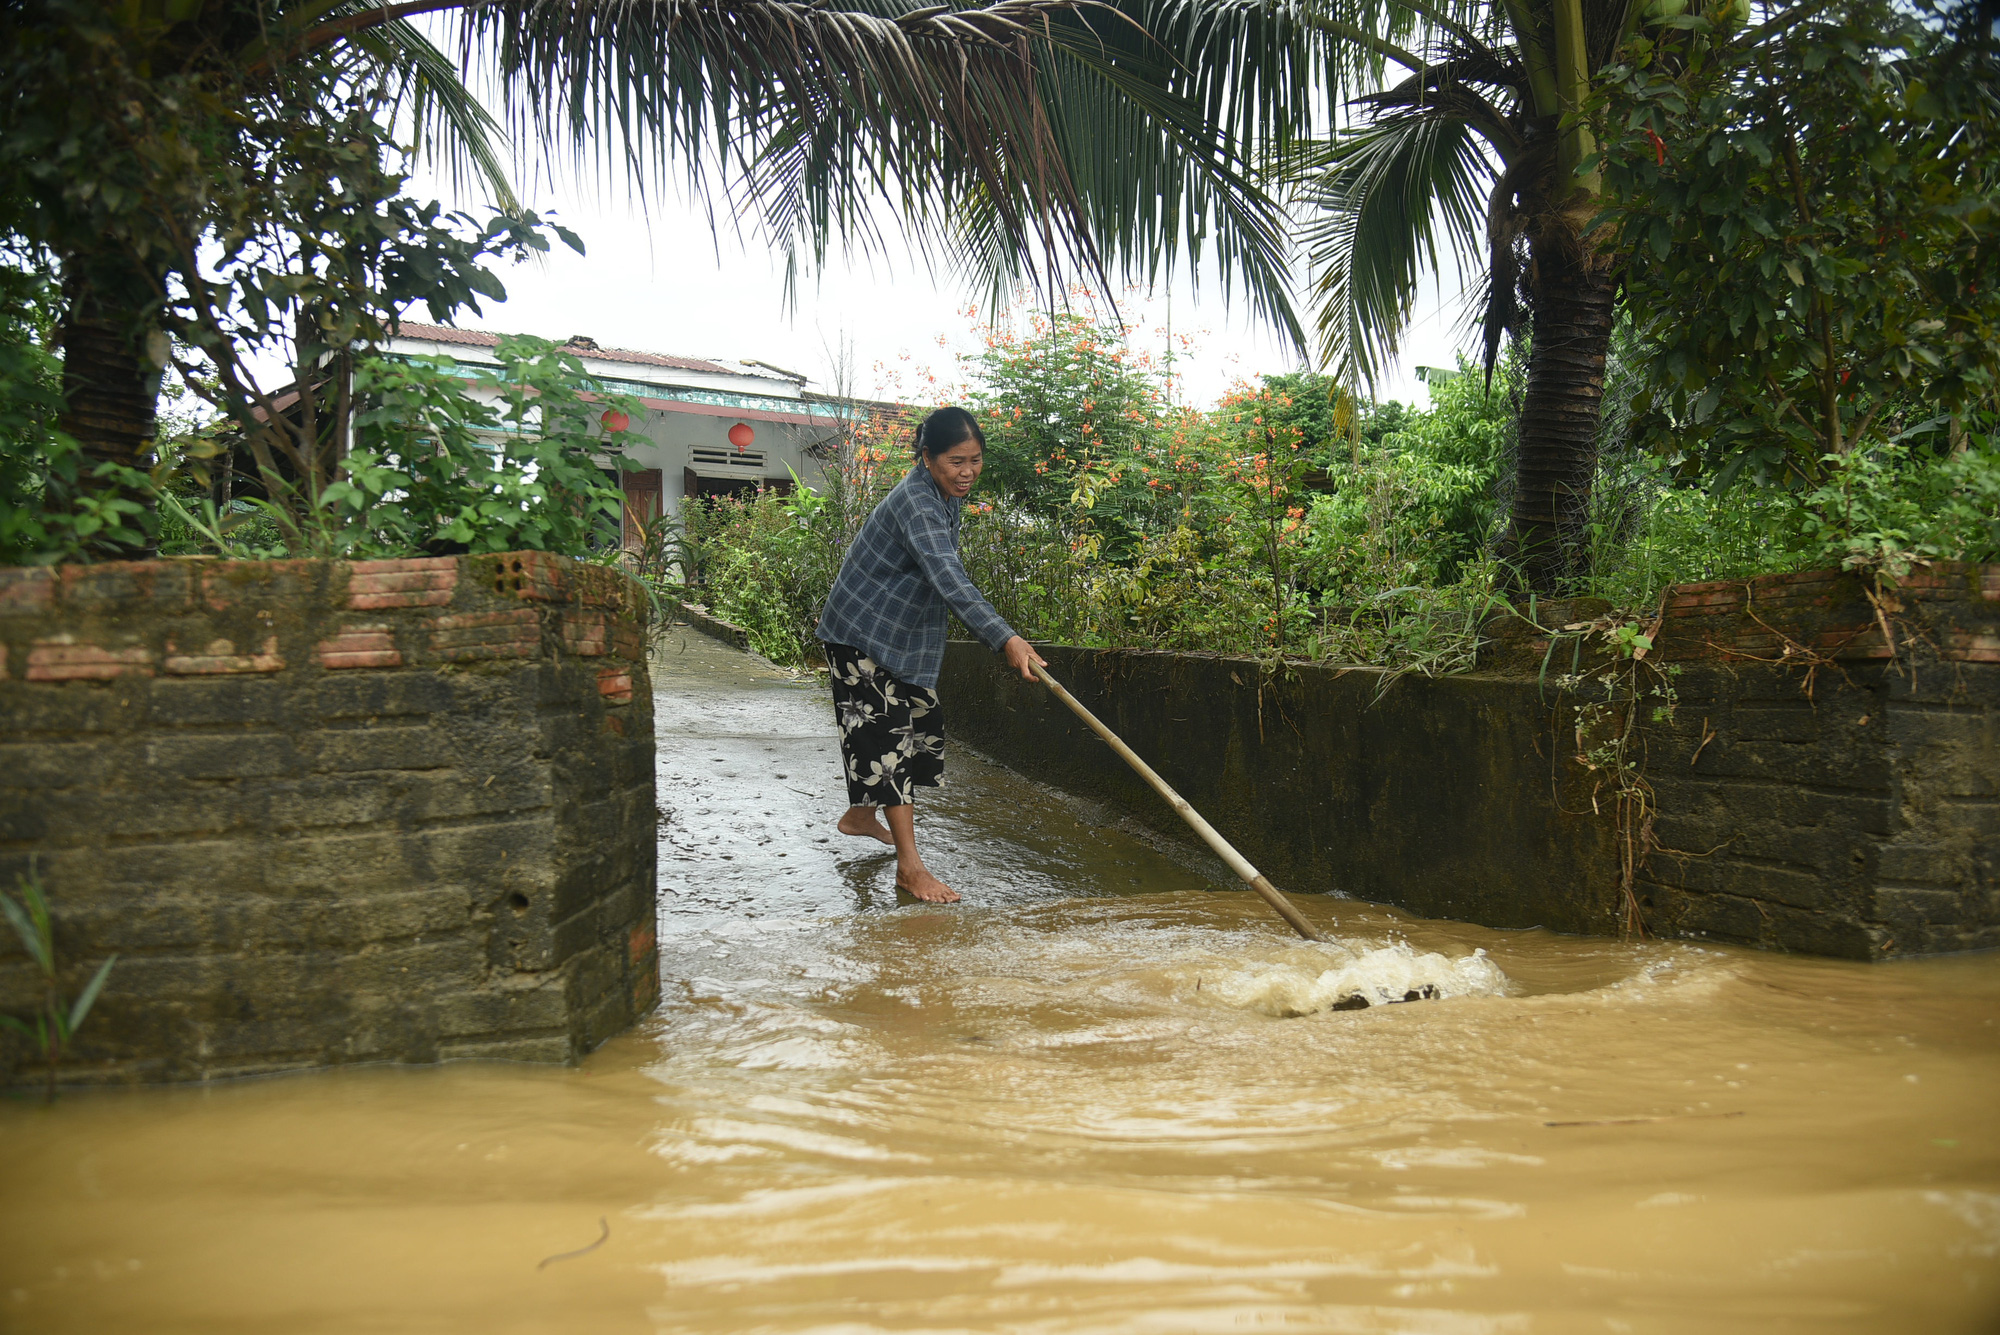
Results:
30 927
88 997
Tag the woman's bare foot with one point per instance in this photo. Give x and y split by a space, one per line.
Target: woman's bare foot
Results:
922 885
864 822
911 874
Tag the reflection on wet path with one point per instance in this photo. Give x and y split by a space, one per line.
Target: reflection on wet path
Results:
1067 1105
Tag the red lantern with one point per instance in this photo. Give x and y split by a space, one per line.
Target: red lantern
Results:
615 421
741 435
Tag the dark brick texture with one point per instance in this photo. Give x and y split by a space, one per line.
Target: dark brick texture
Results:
330 812
1817 791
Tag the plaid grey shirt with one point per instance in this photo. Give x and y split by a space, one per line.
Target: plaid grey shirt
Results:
898 577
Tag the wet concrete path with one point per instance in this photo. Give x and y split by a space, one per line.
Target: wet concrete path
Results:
749 788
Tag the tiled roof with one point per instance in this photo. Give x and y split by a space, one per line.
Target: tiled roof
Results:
474 338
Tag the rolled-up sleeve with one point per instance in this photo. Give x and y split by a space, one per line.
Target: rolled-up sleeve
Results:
928 537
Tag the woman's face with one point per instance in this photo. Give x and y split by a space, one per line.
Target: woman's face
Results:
957 468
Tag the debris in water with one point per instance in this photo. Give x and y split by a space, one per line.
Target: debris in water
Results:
1357 975
1358 1002
602 1223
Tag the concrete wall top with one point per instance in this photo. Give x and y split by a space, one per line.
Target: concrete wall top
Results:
1949 611
194 617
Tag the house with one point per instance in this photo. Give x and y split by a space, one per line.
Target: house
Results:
709 427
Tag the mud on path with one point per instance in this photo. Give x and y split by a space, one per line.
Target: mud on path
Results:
1106 1093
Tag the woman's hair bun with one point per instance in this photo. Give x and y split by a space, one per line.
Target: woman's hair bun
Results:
945 428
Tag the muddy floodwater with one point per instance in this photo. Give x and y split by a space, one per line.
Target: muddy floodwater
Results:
1106 1093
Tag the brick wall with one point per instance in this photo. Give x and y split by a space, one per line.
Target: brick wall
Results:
1817 790
1831 781
331 811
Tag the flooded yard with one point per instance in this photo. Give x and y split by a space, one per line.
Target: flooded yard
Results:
1109 1092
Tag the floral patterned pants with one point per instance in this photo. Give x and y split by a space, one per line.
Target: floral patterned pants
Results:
891 733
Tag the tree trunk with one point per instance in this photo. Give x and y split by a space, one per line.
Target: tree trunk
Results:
110 391
1571 292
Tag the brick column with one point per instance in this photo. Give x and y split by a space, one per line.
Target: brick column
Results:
330 812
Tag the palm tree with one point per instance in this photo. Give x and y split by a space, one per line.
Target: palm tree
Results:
99 180
1481 144
1045 137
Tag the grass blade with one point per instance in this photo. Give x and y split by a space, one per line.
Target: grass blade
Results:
88 997
25 927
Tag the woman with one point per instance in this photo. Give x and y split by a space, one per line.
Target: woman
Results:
884 627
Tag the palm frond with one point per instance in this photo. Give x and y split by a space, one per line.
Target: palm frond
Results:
834 106
1385 204
1443 90
377 47
1500 311
1359 35
447 122
1159 180
1070 139
1157 163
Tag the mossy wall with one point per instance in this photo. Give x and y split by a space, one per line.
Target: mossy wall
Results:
1816 788
330 812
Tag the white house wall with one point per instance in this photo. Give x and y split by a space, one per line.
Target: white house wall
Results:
673 426
671 438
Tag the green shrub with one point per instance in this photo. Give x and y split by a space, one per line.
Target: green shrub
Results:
1882 509
1289 522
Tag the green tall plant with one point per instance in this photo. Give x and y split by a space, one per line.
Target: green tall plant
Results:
55 1021
1814 265
437 469
1473 135
1266 462
1065 402
1052 137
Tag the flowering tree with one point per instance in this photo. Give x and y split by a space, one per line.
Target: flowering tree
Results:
1066 405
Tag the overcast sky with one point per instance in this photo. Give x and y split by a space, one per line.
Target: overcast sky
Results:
662 282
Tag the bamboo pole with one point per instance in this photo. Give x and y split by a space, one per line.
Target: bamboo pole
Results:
1223 848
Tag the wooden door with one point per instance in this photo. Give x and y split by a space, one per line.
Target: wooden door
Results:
643 504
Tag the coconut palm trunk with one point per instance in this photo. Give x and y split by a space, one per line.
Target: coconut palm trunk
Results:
1479 142
110 388
1571 291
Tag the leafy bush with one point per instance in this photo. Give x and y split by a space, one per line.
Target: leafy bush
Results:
1062 402
1887 509
1290 521
435 469
766 563
1881 510
1811 239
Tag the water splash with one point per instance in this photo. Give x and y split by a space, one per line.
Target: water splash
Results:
1357 975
